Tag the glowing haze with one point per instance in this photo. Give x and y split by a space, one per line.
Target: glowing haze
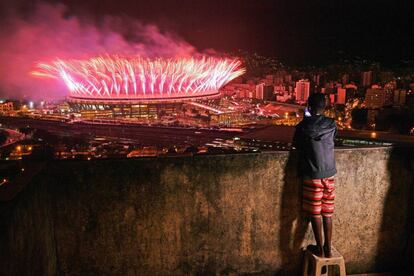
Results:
48 33
115 77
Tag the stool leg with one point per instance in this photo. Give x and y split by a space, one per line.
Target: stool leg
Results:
306 265
326 272
342 271
331 270
318 269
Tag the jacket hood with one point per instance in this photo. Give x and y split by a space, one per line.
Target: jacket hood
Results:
318 126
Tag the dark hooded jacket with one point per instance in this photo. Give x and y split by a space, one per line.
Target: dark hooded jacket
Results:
314 138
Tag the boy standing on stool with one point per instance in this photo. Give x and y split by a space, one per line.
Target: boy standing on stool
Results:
314 138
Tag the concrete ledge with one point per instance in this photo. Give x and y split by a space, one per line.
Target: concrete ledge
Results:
224 214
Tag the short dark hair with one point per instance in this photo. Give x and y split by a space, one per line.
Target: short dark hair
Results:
317 102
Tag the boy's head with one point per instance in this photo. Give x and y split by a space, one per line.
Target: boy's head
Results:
317 103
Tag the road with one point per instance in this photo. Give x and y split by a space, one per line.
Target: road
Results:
144 135
14 136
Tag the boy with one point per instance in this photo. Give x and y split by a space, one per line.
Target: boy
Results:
314 138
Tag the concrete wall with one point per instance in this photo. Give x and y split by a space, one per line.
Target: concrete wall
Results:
225 214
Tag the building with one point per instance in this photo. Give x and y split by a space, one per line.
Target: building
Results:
278 80
386 76
316 79
251 94
302 90
6 106
268 93
244 90
366 78
351 92
265 92
288 78
105 109
141 87
378 97
341 95
259 91
391 85
282 93
399 97
332 99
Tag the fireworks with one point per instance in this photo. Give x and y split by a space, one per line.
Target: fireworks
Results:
114 77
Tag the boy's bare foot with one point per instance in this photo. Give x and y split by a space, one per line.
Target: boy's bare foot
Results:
327 251
316 250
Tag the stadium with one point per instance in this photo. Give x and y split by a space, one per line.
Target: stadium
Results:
114 86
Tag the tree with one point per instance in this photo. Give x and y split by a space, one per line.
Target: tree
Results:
395 120
359 118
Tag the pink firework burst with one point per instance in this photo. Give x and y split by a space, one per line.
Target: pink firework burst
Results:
114 77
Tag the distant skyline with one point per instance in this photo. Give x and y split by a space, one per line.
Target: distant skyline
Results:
296 32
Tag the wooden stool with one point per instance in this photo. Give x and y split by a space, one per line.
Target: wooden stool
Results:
319 262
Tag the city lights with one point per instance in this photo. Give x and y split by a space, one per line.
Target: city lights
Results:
4 181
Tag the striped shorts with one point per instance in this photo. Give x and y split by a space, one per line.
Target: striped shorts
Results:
318 196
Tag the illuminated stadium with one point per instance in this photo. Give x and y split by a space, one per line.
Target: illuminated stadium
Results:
139 87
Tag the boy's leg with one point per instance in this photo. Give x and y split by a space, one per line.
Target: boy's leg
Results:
327 212
327 231
316 222
312 205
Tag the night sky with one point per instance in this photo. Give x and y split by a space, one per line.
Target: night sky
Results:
296 32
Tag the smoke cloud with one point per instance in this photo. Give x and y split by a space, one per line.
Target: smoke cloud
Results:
48 33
